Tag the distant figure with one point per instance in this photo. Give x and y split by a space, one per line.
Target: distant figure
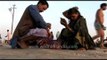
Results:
0 36
0 40
8 37
99 24
30 19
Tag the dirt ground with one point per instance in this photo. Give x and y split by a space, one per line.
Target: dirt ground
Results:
39 53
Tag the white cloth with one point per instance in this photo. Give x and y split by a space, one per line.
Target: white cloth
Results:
38 32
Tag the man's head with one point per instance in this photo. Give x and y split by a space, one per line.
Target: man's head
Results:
42 5
7 30
73 13
103 6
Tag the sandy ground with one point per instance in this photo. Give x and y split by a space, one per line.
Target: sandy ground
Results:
38 53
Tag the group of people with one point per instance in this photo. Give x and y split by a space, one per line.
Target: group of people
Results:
33 30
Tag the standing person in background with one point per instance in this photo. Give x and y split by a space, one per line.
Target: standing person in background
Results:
99 24
8 36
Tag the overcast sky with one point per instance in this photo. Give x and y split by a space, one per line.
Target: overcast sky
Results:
52 14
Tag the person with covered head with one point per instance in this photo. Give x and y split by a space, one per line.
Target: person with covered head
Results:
30 19
75 34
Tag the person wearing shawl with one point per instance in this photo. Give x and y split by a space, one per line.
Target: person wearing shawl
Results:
75 34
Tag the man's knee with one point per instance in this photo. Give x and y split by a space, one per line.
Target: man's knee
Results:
101 33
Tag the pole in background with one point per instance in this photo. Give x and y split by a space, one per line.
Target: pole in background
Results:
12 9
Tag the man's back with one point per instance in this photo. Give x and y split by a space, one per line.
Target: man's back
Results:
24 24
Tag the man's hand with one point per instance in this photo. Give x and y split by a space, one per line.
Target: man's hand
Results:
104 28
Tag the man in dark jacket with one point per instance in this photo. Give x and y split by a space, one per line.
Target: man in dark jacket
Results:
31 18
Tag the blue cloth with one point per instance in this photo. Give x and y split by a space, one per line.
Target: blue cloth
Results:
37 18
13 42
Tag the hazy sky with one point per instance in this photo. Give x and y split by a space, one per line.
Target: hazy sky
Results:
52 14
